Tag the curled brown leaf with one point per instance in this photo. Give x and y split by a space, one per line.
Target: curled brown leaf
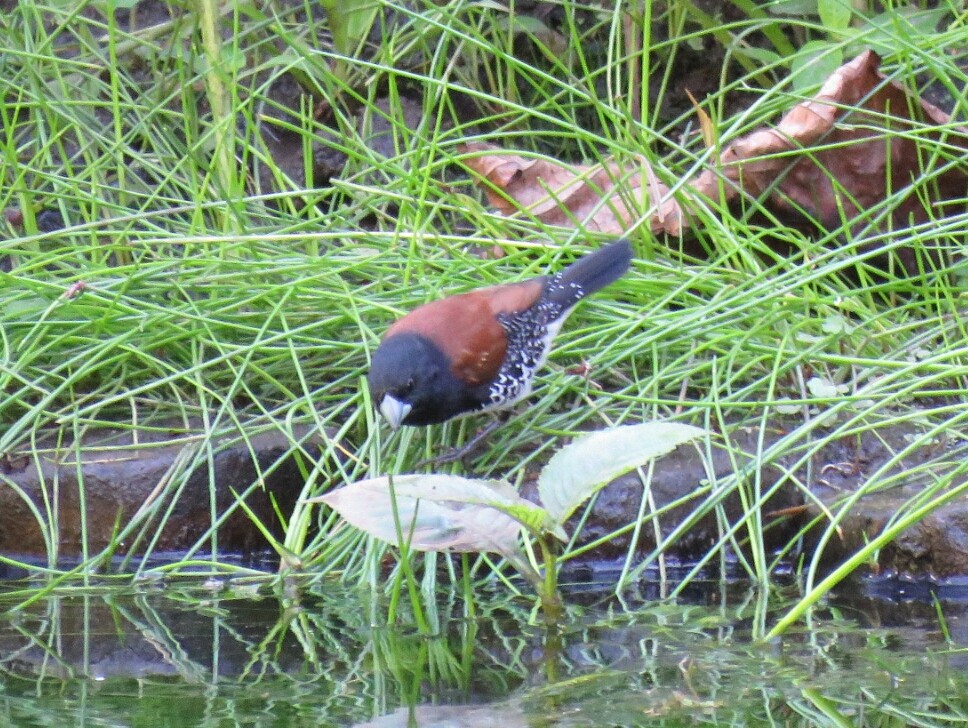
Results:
605 198
831 158
842 152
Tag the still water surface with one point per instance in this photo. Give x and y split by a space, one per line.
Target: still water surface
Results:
226 653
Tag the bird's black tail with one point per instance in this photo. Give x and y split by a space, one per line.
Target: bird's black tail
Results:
589 274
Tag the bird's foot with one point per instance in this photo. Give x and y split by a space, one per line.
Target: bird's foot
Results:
470 448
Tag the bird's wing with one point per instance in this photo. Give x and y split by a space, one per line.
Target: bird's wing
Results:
466 329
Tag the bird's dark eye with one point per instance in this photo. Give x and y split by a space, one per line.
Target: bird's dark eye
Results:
408 387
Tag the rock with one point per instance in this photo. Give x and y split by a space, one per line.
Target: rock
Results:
935 546
114 479
144 635
676 479
118 479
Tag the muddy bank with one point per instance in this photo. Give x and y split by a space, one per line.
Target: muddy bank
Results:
55 501
117 481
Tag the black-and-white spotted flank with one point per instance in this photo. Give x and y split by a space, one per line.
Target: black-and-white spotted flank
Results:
529 336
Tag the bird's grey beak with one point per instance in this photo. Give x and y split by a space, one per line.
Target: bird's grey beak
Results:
394 410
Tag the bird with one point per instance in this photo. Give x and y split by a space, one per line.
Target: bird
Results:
479 351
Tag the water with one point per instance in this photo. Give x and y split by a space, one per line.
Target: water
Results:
223 653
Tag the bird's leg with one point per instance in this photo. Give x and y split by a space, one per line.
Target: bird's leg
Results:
471 447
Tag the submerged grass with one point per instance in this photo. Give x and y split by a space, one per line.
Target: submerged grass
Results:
174 270
194 654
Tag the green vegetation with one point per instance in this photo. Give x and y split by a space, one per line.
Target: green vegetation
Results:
448 513
173 269
336 662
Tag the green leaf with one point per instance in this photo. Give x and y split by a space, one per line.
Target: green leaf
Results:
814 63
438 512
24 309
886 32
578 471
835 14
798 8
497 494
530 25
763 56
350 22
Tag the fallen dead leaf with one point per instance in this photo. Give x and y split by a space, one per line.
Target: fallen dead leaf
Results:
844 151
605 198
831 158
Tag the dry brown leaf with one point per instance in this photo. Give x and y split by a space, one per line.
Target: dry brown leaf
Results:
857 141
606 198
706 126
836 155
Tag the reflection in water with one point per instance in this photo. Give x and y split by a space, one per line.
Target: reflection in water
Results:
232 653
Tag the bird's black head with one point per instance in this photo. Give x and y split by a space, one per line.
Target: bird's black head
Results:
411 383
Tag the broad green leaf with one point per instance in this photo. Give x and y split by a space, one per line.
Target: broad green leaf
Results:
26 308
516 24
437 512
496 494
834 14
578 471
835 324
